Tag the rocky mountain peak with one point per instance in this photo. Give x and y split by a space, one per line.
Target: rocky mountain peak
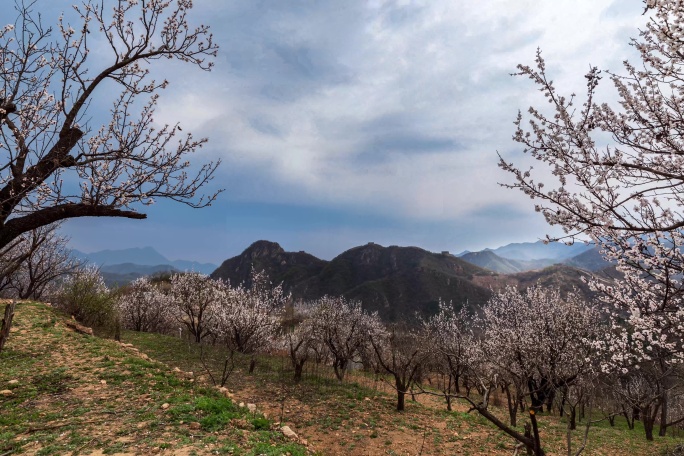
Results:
264 249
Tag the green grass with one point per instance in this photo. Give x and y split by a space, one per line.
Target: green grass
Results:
78 393
59 407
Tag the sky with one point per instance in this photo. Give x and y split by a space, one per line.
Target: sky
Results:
343 122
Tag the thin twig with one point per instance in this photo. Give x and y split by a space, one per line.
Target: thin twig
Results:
422 445
204 364
61 425
78 450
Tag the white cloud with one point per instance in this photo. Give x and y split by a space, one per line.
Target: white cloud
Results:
394 106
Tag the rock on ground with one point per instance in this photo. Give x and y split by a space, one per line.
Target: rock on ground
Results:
289 433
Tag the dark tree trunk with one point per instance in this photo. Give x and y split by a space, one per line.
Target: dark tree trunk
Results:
537 396
512 406
648 417
573 418
663 415
401 392
467 386
549 400
630 419
528 434
561 408
298 369
535 433
401 400
537 403
447 392
6 324
528 439
340 366
252 365
648 429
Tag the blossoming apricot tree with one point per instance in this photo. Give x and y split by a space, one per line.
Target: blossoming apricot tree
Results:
55 161
617 176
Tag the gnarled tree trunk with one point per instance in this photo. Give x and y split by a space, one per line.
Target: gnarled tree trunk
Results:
6 323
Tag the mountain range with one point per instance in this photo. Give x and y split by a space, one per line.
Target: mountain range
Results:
119 267
540 250
395 281
530 256
399 282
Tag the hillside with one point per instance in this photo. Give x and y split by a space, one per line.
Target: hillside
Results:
489 260
398 281
69 393
564 277
526 251
591 260
395 281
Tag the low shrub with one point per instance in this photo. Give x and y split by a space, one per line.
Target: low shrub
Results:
85 296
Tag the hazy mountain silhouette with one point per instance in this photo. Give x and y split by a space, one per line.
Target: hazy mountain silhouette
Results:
141 256
588 259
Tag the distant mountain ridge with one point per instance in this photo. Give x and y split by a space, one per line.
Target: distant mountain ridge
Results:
119 267
397 282
528 251
489 260
537 255
121 274
141 256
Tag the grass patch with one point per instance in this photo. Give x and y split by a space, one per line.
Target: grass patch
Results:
62 406
80 393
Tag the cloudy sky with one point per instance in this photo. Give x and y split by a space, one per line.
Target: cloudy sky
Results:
342 122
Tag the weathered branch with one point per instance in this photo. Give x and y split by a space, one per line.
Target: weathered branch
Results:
14 227
46 89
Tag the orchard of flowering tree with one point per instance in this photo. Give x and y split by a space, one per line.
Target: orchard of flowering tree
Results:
528 354
609 174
